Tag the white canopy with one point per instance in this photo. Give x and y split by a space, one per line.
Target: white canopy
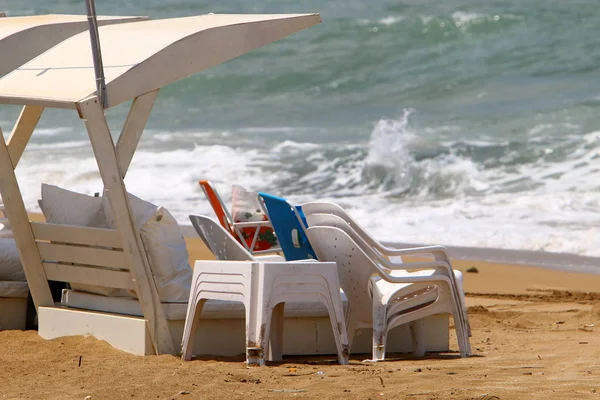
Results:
23 38
139 58
143 56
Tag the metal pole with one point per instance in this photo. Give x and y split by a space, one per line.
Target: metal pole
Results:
96 53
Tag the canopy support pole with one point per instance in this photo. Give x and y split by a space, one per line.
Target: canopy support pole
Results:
108 164
96 52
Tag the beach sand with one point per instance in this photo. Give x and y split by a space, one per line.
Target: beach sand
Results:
536 335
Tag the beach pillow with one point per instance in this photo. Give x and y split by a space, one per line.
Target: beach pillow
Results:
61 206
164 245
5 230
10 262
246 208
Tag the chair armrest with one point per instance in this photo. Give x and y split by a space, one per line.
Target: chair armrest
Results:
416 279
439 252
416 265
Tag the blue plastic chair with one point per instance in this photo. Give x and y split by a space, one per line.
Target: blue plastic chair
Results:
290 227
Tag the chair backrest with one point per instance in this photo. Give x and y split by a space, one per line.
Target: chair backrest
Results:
218 240
355 268
323 207
290 227
340 223
217 205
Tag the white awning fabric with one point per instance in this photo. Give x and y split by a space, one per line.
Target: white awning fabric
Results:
23 38
143 56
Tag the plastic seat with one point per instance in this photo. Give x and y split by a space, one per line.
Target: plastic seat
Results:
439 266
439 253
382 299
290 227
264 287
247 233
217 205
222 244
263 284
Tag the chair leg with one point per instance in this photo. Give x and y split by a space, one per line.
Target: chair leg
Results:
418 339
458 279
379 329
340 332
351 325
255 350
276 337
462 337
189 330
379 342
258 331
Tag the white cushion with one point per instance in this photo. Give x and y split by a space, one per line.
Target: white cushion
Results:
61 206
5 230
10 261
164 245
14 289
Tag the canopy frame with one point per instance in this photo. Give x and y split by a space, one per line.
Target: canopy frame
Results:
223 37
113 162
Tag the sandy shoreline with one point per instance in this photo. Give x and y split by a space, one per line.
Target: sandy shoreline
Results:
534 337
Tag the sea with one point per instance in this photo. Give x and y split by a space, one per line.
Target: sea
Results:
455 122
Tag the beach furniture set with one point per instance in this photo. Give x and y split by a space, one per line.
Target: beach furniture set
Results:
381 291
131 288
247 232
263 284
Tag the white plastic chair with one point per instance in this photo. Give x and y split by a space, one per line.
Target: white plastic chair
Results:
439 253
384 300
222 244
404 269
263 287
235 228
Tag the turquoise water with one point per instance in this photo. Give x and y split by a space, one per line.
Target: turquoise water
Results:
454 122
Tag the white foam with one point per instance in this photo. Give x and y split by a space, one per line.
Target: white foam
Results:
441 198
592 137
550 222
70 144
291 146
468 17
52 131
391 19
266 129
171 136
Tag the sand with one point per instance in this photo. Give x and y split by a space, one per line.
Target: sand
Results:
535 336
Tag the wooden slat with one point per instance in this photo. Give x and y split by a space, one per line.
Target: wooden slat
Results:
28 120
82 255
89 276
104 151
132 129
77 235
19 221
